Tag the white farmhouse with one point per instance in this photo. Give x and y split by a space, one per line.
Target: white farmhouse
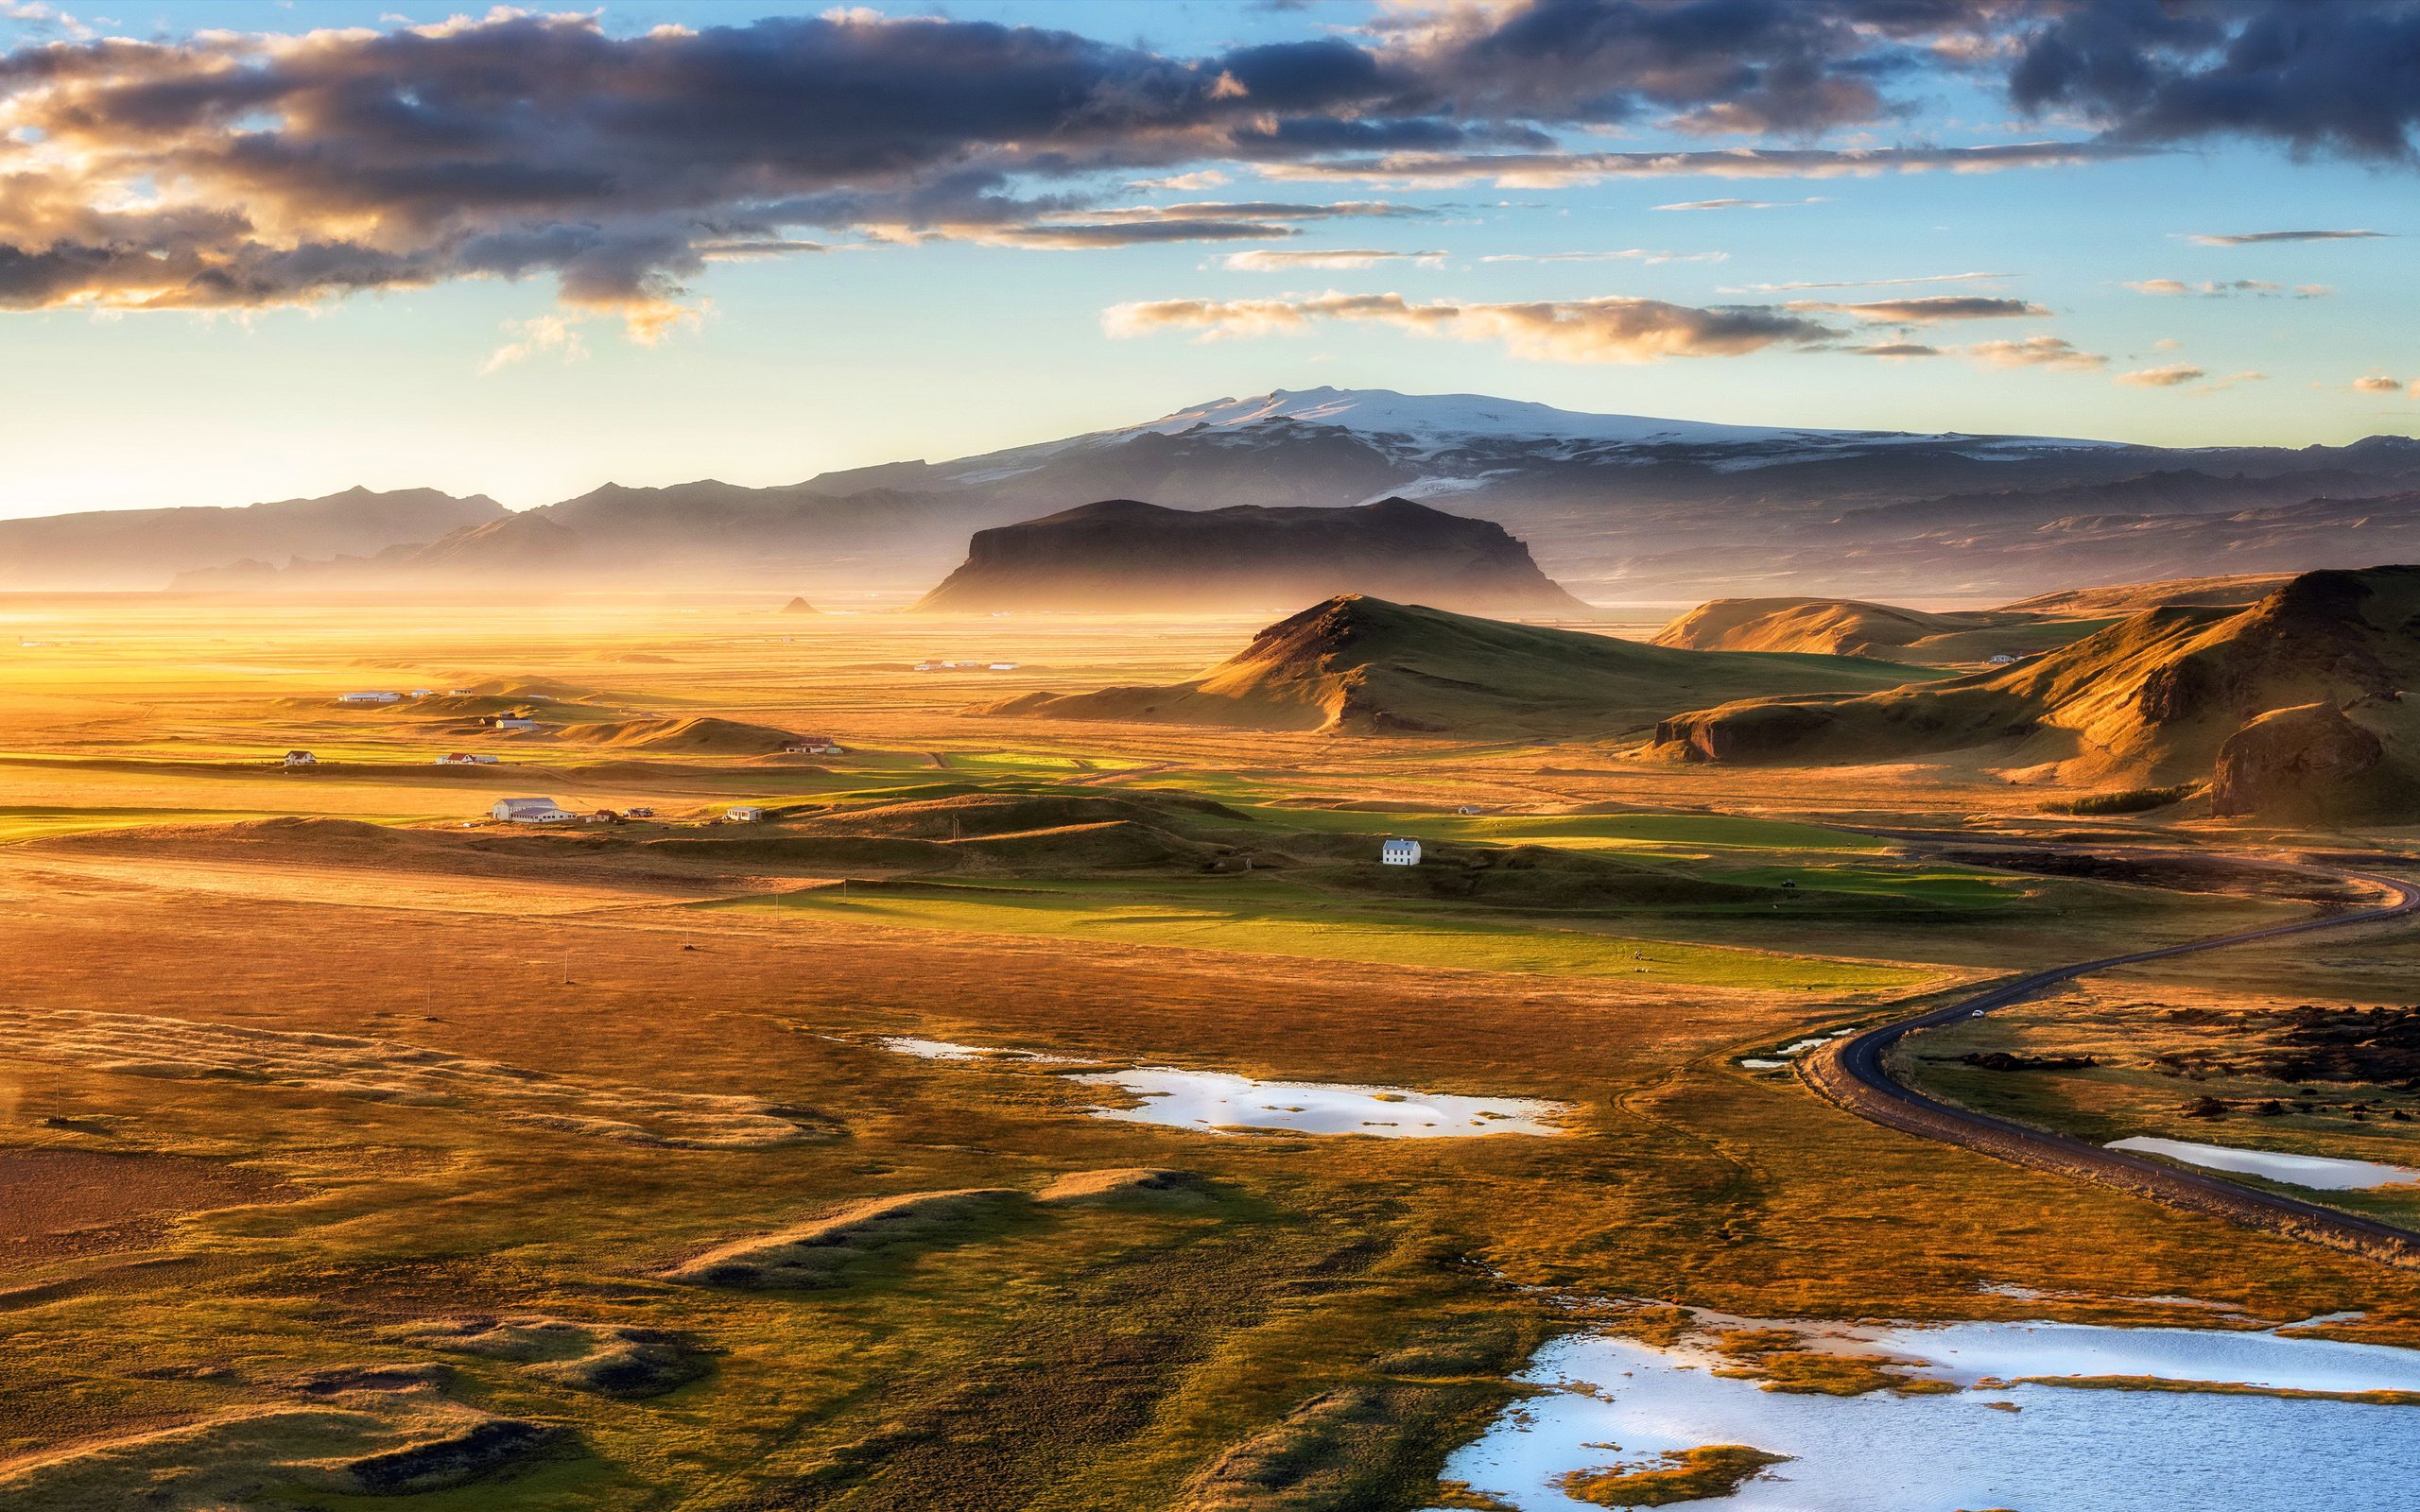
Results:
743 814
530 811
368 700
301 758
1399 853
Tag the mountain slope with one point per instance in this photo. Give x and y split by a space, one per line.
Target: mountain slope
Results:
2159 696
1125 555
1365 667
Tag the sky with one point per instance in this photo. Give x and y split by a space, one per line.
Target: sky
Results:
256 251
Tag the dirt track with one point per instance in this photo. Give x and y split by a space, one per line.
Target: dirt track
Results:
1851 1072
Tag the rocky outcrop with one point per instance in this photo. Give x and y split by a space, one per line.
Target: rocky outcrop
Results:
2292 762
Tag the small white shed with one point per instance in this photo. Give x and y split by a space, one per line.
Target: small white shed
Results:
743 814
1399 853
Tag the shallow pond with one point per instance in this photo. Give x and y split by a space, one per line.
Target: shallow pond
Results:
2064 1449
2318 1171
1215 1101
1212 1100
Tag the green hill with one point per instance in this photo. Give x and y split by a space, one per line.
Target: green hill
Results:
1365 667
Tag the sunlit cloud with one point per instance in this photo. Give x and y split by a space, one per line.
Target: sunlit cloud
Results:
1609 328
2173 375
1265 261
2055 352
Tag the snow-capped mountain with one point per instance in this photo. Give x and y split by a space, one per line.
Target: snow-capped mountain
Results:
1453 440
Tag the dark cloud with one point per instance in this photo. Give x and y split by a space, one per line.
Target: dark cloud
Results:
1929 309
228 170
2255 238
2319 75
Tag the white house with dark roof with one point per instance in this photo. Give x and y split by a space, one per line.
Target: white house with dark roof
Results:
1399 852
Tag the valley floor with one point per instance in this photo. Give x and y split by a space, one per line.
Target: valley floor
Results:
358 1150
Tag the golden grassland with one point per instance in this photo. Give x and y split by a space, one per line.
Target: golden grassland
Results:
460 1124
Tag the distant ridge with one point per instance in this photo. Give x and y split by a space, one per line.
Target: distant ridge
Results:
147 548
1614 507
1124 555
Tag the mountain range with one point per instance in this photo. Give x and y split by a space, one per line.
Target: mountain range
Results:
1615 507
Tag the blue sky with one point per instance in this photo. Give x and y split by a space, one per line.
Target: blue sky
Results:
926 329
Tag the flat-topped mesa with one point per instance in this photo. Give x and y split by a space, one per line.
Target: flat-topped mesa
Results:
1124 555
2293 706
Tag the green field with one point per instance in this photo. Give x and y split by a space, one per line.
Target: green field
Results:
1391 938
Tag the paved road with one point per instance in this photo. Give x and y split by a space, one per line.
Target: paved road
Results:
1851 1072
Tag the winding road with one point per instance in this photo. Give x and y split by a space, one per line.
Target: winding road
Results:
1851 1072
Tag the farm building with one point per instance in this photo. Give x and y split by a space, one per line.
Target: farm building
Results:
301 758
466 758
743 814
639 814
812 746
514 722
530 811
368 700
1400 853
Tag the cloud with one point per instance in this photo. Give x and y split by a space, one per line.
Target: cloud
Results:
1080 237
2375 383
2174 375
1633 254
2255 238
2036 352
1182 183
232 170
1599 330
2225 289
1928 309
1743 204
1898 350
1286 262
2317 75
1538 170
1870 283
545 333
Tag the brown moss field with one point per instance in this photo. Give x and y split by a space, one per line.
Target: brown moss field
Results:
281 1102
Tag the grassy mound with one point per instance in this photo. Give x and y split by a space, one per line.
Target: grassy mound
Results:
1830 627
690 735
1365 667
